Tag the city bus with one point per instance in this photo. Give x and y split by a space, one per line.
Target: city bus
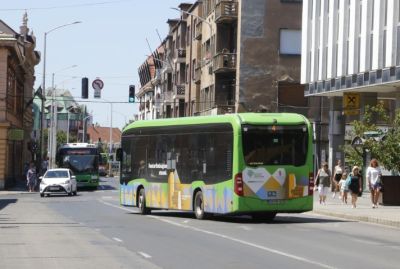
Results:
256 164
83 160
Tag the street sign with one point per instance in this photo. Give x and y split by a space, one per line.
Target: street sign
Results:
97 84
97 93
351 103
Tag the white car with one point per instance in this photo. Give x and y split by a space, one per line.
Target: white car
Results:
58 181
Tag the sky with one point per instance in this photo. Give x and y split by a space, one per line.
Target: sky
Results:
109 44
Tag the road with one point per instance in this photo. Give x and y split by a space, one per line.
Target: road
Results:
91 230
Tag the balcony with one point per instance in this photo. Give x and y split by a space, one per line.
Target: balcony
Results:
224 62
226 11
179 91
199 27
181 53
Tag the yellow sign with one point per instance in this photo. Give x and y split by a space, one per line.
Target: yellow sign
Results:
351 103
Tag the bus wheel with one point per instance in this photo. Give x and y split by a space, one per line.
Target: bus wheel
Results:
142 203
199 205
264 216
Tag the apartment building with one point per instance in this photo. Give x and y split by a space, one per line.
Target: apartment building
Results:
18 58
225 56
351 55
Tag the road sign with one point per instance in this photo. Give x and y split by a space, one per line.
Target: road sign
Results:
351 103
97 84
97 93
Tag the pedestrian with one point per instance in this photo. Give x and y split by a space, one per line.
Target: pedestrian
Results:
374 175
337 175
355 185
31 178
323 182
344 189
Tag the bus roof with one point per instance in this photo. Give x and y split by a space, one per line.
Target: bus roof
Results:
77 145
239 118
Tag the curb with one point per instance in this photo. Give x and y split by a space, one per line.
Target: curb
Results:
386 222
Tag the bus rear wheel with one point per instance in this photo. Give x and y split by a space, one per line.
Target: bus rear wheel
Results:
264 216
142 203
198 206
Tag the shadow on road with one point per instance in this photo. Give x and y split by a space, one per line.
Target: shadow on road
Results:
279 219
6 202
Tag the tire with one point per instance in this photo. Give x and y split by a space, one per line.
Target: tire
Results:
42 195
75 193
142 203
198 206
264 216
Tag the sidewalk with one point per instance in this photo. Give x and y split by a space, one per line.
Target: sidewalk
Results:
384 214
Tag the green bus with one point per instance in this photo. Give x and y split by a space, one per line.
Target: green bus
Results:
256 164
83 160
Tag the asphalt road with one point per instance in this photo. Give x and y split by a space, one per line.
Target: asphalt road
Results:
169 239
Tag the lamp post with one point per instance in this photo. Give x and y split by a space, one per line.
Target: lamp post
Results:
84 129
54 119
68 119
44 88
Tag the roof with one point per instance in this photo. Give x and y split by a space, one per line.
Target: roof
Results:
240 118
98 133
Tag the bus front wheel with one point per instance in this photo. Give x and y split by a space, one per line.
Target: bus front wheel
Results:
142 203
199 205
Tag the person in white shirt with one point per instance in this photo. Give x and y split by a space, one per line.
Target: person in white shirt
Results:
374 175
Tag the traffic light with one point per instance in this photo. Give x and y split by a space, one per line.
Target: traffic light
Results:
131 93
85 88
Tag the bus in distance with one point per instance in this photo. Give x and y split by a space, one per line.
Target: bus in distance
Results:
83 160
256 164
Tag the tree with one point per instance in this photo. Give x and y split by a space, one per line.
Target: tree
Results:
367 129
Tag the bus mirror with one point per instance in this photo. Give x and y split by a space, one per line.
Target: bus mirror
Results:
119 155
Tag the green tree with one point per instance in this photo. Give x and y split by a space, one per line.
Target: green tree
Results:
367 129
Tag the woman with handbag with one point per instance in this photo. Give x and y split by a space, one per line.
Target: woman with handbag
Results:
374 175
355 185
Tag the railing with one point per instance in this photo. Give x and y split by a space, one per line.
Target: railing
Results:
197 34
179 89
224 62
181 53
226 11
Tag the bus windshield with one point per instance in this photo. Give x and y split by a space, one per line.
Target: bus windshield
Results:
80 163
275 145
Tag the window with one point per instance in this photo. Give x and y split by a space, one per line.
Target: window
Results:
290 42
275 145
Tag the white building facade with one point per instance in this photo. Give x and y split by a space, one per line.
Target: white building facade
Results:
351 48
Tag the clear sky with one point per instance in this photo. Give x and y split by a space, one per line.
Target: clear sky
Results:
110 43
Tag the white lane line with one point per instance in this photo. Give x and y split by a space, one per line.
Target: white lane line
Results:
186 221
106 197
245 228
117 239
267 249
147 256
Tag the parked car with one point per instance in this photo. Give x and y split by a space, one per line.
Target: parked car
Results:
58 181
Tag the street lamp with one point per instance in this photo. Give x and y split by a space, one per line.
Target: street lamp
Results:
44 88
54 118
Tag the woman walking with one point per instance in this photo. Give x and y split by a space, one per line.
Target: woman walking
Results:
374 175
337 175
31 178
355 186
323 182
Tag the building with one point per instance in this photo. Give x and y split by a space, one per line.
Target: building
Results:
18 58
350 57
233 56
98 134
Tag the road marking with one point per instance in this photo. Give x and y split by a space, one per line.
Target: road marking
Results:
106 197
245 228
147 256
186 221
243 242
117 239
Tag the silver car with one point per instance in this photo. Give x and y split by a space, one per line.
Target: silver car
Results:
58 181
